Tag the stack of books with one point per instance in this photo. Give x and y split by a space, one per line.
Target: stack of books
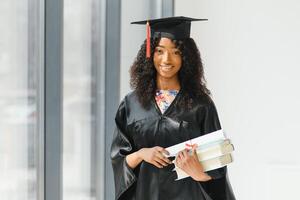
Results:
213 151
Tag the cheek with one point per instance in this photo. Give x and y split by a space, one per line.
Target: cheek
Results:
179 63
156 61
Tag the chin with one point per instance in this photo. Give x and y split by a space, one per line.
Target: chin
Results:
168 76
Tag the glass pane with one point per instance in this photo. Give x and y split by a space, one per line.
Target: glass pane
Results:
78 98
20 62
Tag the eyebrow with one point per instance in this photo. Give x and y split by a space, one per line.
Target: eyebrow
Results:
165 47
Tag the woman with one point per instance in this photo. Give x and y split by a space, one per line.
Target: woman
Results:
169 105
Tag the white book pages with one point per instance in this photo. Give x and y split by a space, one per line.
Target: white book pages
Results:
215 151
203 141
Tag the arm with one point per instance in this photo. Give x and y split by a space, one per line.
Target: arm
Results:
218 187
152 155
208 122
124 176
191 165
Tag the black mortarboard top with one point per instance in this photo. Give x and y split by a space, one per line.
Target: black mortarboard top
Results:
175 28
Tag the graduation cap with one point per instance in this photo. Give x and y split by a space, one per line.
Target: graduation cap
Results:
175 28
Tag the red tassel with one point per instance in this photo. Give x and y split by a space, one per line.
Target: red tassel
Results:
148 47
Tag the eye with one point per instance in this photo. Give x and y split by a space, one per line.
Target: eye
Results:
159 51
177 53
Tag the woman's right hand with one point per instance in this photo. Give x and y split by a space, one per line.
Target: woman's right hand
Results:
155 156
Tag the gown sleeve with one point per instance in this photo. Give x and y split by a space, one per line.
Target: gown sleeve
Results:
219 187
121 146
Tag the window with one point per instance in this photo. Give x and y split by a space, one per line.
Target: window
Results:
79 101
20 97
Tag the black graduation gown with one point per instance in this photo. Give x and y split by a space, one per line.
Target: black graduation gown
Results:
137 128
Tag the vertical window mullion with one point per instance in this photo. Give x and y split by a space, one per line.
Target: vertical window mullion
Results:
38 17
53 99
112 84
100 63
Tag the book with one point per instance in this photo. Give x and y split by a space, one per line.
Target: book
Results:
213 151
202 142
208 165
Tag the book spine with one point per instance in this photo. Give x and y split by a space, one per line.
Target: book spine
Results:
215 152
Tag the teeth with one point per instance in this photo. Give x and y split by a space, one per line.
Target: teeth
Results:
166 66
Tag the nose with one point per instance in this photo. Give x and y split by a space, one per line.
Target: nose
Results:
166 58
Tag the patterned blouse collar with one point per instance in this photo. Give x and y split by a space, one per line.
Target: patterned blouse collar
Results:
164 98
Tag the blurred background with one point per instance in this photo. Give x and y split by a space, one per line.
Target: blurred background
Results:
64 69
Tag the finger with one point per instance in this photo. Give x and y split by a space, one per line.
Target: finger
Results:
166 160
158 148
178 162
159 155
195 146
165 152
194 151
161 161
162 151
157 164
180 155
162 157
185 153
175 160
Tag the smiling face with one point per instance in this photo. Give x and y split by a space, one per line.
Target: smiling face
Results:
167 60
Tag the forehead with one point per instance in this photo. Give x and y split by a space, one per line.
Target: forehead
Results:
166 42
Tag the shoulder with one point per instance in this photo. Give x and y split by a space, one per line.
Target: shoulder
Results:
131 96
207 115
130 99
126 106
133 108
203 101
124 102
205 105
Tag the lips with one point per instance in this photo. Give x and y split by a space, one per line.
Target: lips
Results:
166 68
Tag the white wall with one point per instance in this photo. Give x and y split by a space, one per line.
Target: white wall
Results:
132 37
250 51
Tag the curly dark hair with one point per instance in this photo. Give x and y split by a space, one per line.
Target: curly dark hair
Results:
191 74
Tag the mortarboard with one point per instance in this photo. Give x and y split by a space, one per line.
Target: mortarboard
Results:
175 28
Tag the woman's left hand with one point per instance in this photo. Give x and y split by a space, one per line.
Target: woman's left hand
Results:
190 164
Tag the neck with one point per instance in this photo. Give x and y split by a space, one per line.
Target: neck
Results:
167 84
